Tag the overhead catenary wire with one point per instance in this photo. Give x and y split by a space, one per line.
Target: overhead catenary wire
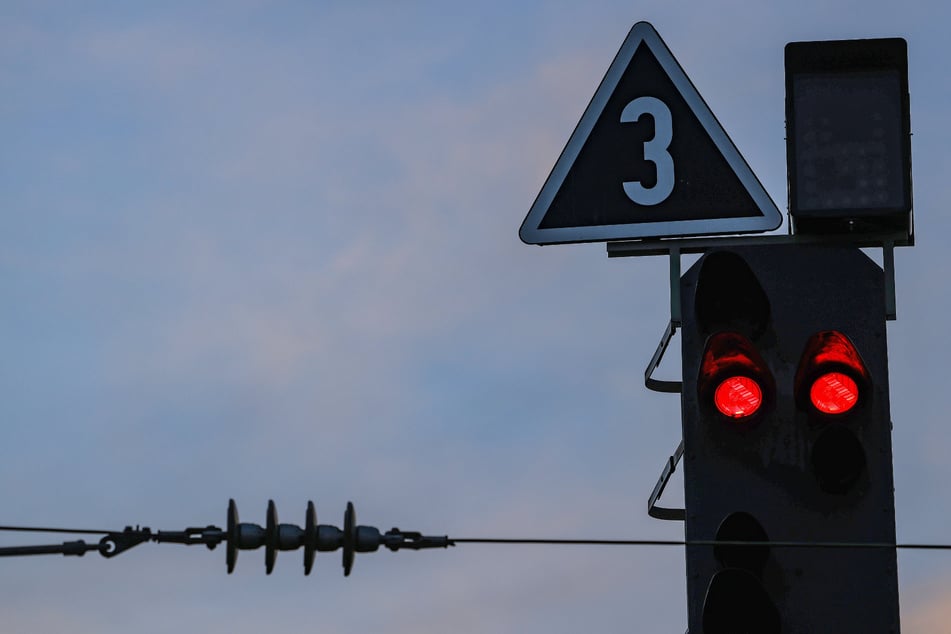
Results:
700 542
41 529
590 542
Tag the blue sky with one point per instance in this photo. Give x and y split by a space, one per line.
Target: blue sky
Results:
269 250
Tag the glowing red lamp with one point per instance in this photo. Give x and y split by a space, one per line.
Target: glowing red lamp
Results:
832 378
738 397
733 377
834 393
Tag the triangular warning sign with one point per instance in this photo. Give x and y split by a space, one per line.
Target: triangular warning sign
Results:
648 159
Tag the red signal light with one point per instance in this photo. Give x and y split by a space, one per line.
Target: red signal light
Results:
738 397
834 393
831 377
733 377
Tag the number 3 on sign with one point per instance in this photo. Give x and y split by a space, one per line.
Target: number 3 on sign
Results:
655 150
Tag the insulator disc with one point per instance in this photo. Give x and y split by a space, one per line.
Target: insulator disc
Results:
270 537
349 538
231 549
310 537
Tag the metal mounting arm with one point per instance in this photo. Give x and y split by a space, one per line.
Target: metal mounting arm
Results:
394 539
113 542
77 548
660 512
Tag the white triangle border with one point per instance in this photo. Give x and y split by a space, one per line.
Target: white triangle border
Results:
643 32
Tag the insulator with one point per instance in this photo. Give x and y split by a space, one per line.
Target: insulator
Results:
270 537
315 537
231 549
349 538
310 537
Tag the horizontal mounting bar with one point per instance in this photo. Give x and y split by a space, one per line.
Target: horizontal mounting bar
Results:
674 247
636 248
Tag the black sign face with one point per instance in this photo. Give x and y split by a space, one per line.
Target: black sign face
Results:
848 137
648 159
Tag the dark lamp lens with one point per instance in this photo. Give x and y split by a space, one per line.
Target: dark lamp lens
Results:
834 393
738 397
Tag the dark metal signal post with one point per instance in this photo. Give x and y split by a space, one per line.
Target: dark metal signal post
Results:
787 437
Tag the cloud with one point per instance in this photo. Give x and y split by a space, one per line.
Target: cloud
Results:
927 610
293 272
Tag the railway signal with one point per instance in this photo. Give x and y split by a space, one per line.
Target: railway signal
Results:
787 438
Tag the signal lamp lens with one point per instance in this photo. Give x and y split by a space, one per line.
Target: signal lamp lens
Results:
738 397
834 393
831 378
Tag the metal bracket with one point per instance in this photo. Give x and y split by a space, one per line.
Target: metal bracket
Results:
116 543
674 247
660 512
656 385
888 259
667 387
675 315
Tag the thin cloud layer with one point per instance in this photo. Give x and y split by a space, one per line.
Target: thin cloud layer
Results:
262 252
